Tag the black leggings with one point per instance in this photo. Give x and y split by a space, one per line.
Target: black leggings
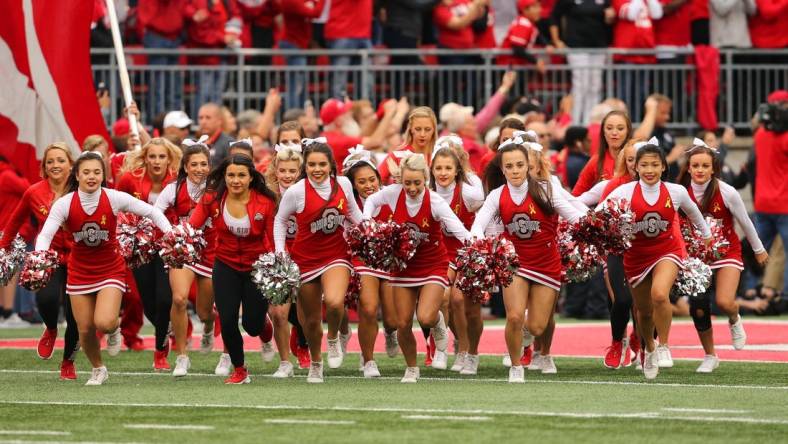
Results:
622 305
232 289
153 284
48 300
292 317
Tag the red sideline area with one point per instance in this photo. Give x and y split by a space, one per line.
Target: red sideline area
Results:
766 341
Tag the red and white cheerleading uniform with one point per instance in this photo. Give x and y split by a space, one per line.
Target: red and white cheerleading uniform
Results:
656 237
532 232
35 202
382 214
726 206
90 219
464 201
139 184
426 214
393 160
319 243
178 206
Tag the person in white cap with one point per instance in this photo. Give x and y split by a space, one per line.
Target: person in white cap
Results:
177 126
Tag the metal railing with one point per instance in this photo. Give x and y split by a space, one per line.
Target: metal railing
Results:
429 77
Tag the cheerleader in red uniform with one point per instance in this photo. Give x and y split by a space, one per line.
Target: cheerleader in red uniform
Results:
420 137
321 202
464 193
375 289
145 174
177 201
721 201
241 209
652 263
528 208
425 278
36 202
96 271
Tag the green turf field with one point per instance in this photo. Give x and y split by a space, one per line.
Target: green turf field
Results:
741 402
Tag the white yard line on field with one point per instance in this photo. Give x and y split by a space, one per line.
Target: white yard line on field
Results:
167 427
447 418
308 421
34 432
691 410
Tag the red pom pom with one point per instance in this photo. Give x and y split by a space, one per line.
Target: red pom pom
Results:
353 291
610 228
483 265
580 260
136 239
183 245
696 245
386 246
38 269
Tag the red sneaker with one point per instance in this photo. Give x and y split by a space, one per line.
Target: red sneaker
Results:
304 358
46 345
525 360
634 342
67 371
268 330
430 352
293 341
160 363
135 344
613 355
239 376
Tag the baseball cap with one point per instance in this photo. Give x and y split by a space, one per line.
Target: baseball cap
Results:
333 108
121 127
521 4
780 95
177 119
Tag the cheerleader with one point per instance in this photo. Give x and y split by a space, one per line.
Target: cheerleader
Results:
145 173
321 202
425 278
700 174
375 289
420 137
241 209
96 272
652 263
177 201
454 183
528 208
36 202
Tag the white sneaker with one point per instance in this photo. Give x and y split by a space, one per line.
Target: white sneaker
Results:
738 335
98 376
335 355
371 370
459 362
14 321
710 362
528 338
536 361
206 343
392 344
224 365
517 374
411 375
664 360
267 351
315 375
441 335
507 360
113 342
182 365
651 364
470 365
344 339
548 366
440 360
285 370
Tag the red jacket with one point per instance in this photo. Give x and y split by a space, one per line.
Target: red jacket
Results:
36 203
164 17
349 19
767 26
588 177
210 32
12 188
139 184
771 169
239 252
297 16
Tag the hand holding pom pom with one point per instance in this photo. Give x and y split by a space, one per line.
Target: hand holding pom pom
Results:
353 291
386 246
484 264
580 260
183 245
693 279
136 239
38 269
710 251
277 277
610 228
11 260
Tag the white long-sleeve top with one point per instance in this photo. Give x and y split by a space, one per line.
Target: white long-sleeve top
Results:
293 201
439 208
472 195
558 187
678 195
167 196
490 211
118 200
734 204
594 195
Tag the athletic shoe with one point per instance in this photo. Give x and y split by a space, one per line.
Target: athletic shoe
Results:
528 338
536 362
738 335
507 361
430 351
517 374
548 366
440 360
613 355
268 330
14 321
46 345
67 371
223 367
240 376
267 350
392 343
664 360
525 359
459 362
371 370
470 365
182 365
135 344
315 375
441 334
650 364
160 363
344 339
335 356
206 343
304 357
285 370
710 362
113 342
98 376
411 375
634 342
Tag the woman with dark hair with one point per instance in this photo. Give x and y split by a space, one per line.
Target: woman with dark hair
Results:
241 209
652 263
96 271
616 132
321 202
505 130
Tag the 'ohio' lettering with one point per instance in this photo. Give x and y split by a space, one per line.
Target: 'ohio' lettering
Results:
651 225
522 226
328 222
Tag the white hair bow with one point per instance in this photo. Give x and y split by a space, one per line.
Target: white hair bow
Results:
356 155
444 141
192 142
247 141
403 154
530 133
651 141
698 143
533 146
305 142
516 139
294 147
84 153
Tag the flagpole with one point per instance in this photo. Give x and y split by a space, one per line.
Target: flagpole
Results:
125 84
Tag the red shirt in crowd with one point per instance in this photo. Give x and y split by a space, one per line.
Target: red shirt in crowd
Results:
260 14
698 9
164 17
771 169
486 38
210 32
297 16
453 38
767 26
340 144
638 34
349 19
522 33
673 29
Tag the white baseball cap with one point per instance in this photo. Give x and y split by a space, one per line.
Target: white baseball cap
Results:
178 119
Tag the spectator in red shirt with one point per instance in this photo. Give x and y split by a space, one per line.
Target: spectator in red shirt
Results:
259 14
349 27
342 132
634 30
454 22
523 35
297 16
767 26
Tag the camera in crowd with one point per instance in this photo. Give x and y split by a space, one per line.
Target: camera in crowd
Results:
773 116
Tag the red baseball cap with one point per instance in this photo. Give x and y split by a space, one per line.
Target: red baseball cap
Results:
780 95
121 127
381 111
522 4
333 108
